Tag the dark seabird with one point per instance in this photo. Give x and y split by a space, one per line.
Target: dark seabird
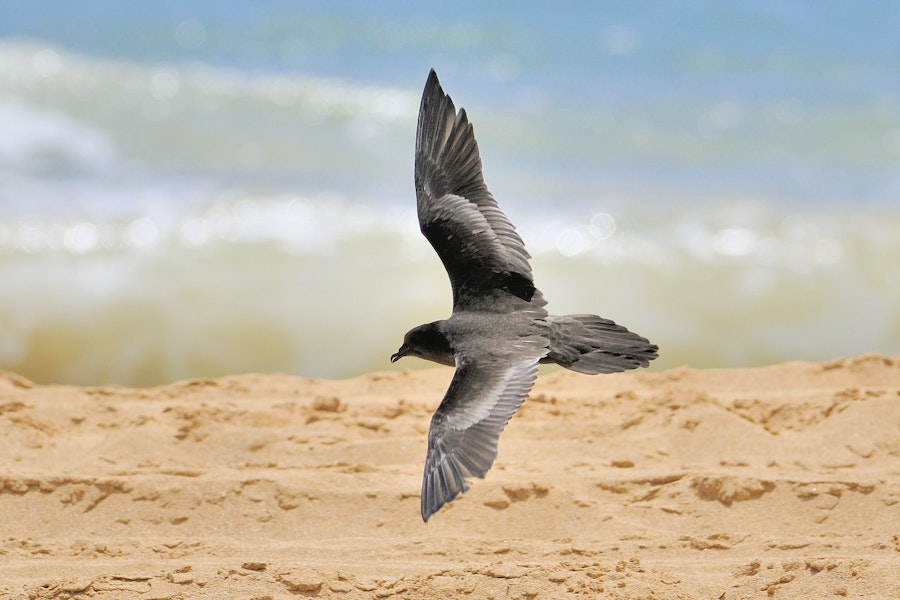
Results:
499 330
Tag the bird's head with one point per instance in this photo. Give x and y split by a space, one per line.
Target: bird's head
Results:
426 341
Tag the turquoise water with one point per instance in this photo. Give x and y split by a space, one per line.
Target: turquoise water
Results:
206 188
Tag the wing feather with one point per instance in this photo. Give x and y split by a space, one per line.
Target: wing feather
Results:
477 243
465 430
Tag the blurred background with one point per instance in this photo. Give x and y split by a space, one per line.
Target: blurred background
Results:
200 188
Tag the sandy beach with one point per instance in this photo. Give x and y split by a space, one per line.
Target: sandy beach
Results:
742 483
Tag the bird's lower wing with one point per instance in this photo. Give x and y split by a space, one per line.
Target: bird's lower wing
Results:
462 440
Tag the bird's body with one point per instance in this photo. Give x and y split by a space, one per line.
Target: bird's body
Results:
499 330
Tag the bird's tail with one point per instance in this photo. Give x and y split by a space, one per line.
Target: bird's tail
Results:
591 344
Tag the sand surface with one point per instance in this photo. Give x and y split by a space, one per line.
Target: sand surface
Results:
777 482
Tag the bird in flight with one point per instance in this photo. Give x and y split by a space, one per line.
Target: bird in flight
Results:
498 331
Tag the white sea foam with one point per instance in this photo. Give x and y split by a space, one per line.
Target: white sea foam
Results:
278 283
33 137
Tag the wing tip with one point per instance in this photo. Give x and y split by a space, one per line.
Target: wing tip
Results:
432 78
433 89
441 484
436 114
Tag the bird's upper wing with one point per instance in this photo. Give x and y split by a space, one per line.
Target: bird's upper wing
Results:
483 254
483 395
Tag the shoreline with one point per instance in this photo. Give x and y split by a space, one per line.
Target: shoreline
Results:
723 483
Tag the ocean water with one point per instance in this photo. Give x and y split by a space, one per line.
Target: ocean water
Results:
195 189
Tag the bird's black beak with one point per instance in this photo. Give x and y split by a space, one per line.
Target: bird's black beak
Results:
403 351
